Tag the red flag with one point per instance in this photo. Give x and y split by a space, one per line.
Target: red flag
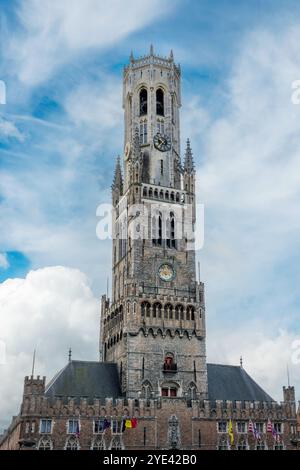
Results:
134 423
269 426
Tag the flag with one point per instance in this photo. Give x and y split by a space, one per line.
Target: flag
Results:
128 423
256 434
134 423
106 424
77 433
250 427
230 432
123 425
269 426
274 433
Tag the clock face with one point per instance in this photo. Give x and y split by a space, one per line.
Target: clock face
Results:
166 272
162 142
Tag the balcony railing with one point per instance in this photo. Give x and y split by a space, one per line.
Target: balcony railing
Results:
170 368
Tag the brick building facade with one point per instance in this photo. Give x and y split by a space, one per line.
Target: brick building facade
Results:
152 366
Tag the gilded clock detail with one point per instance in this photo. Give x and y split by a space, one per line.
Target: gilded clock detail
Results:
166 272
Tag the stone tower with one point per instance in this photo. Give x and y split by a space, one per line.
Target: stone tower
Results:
154 325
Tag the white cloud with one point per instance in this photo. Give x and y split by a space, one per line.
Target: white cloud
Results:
249 180
9 130
265 356
96 107
51 309
55 31
4 264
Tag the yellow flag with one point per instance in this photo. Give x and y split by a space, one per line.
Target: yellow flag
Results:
128 423
230 432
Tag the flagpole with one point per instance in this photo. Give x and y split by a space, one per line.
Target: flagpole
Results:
33 363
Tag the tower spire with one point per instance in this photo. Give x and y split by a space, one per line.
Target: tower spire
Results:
118 178
188 159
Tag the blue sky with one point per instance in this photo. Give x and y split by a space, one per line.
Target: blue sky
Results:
62 127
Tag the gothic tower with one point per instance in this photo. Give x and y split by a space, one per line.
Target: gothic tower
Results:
154 325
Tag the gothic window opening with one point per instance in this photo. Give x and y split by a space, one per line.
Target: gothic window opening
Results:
179 314
143 102
157 310
278 446
223 443
161 168
190 313
143 132
157 230
260 445
160 109
72 443
160 126
242 444
146 390
45 444
145 309
192 392
98 443
169 364
168 311
116 443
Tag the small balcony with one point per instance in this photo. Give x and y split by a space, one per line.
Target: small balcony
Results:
169 368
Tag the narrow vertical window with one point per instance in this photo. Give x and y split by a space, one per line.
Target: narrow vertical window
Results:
160 102
143 132
161 168
143 102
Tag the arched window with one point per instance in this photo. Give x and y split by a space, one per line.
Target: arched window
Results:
160 108
169 363
242 444
72 443
157 229
223 443
160 126
145 309
168 311
190 313
143 102
179 312
146 390
98 443
172 230
157 310
192 392
143 132
45 444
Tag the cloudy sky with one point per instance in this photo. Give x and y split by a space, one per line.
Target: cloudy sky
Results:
61 129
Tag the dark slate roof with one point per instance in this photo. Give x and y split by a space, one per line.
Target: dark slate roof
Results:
101 380
86 379
233 383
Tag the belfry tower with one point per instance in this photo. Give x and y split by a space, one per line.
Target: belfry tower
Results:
154 325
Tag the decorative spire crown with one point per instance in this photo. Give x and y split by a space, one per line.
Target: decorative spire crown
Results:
188 159
118 178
